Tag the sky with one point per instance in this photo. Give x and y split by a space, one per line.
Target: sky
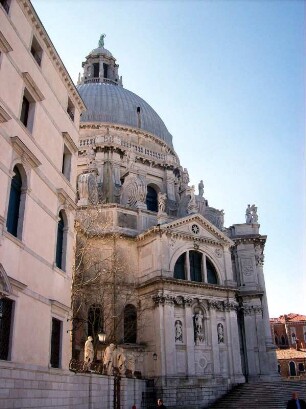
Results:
227 77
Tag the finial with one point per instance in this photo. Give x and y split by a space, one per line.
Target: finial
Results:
101 41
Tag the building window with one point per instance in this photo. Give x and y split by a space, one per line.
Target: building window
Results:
16 203
293 338
301 367
66 165
94 321
96 68
130 324
179 268
70 109
60 253
196 268
55 343
36 51
212 277
5 4
292 368
105 70
195 262
6 310
151 199
27 110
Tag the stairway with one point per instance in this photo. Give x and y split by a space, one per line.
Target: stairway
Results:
265 395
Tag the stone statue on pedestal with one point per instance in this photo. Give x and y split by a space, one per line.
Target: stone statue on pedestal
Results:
108 359
88 352
162 197
201 188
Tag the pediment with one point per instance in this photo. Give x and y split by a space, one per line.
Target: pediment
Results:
198 228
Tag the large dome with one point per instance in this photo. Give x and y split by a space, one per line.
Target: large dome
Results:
114 104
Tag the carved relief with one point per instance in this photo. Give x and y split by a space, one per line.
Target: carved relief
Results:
247 266
218 252
87 189
134 192
259 256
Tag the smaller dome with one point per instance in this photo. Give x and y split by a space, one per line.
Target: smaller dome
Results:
102 51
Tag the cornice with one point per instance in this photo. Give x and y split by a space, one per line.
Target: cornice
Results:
4 116
65 199
187 284
24 151
34 20
5 46
69 141
125 128
32 87
252 238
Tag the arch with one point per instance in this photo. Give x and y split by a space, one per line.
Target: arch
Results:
212 276
130 324
151 199
95 320
179 268
16 204
292 368
61 240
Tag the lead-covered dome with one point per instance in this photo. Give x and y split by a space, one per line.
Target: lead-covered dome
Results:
112 103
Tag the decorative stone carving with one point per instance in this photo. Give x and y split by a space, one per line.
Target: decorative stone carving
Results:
247 266
184 179
216 305
259 256
252 309
201 188
218 252
178 331
220 332
251 215
88 353
109 359
220 220
134 191
162 197
87 189
192 205
198 325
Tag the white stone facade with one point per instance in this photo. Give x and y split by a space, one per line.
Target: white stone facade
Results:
38 138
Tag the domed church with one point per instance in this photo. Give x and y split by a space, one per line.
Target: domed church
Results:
186 298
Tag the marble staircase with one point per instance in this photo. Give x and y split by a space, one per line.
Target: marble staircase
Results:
273 395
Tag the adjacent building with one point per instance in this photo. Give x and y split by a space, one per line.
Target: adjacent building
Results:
289 336
39 121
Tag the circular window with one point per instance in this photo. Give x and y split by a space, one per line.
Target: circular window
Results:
195 229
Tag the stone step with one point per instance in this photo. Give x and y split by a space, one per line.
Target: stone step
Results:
266 395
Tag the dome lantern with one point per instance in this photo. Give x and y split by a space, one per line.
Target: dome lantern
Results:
100 66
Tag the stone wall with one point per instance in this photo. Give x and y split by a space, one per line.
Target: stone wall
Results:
31 387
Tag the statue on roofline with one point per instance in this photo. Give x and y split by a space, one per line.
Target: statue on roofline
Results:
101 40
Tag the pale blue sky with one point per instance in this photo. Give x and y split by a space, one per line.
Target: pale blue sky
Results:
227 78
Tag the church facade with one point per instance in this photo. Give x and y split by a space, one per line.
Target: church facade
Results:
200 315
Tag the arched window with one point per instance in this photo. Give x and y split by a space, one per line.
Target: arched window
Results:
130 324
151 199
212 277
60 254
193 265
94 321
195 260
14 220
179 268
292 368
